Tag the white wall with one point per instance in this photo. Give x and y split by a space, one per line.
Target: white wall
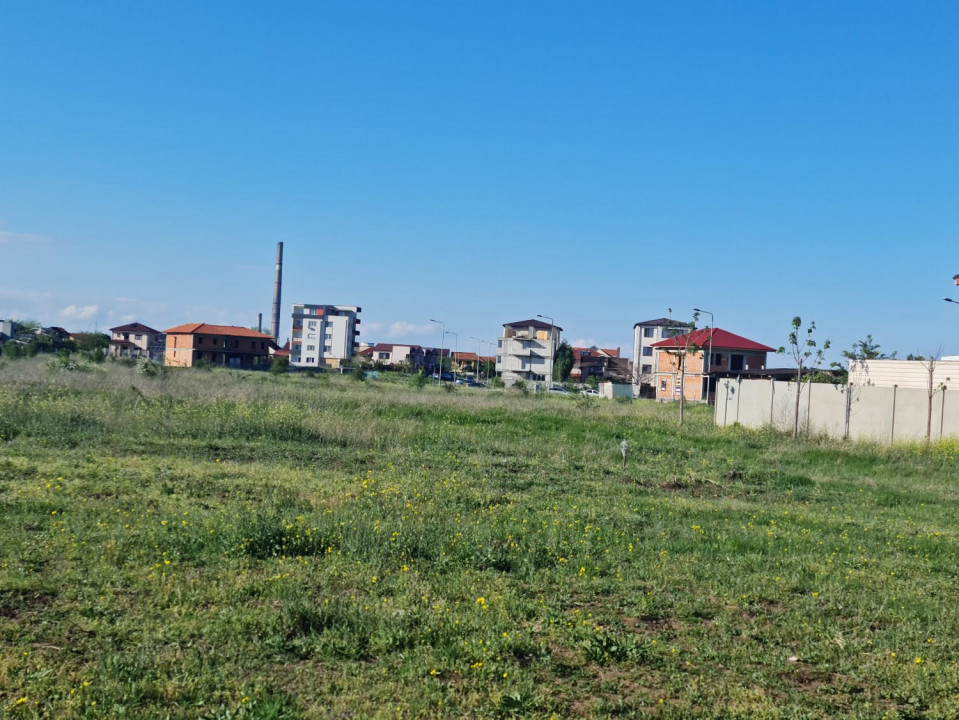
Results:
884 414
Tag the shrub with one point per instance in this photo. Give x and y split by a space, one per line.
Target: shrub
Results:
280 365
202 364
419 379
497 382
358 374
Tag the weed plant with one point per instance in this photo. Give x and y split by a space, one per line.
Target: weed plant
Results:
239 545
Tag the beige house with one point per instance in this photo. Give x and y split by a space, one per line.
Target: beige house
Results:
526 351
135 340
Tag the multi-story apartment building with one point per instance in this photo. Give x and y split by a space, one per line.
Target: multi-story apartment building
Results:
526 350
224 345
323 335
645 334
136 340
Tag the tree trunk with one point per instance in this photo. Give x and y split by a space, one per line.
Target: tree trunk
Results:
798 393
682 389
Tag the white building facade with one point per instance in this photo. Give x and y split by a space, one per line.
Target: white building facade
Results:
324 336
644 357
527 350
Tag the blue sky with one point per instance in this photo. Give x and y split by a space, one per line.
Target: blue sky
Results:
481 163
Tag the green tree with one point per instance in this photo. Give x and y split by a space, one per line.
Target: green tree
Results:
801 347
280 365
563 362
89 342
866 349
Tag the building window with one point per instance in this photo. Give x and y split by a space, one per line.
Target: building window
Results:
648 332
647 352
646 369
311 336
736 362
296 359
263 345
310 348
717 359
662 385
137 337
311 360
311 325
236 343
199 341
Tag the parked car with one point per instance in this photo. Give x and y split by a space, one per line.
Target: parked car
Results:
590 392
557 389
447 377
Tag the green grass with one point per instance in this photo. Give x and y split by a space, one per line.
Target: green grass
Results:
230 545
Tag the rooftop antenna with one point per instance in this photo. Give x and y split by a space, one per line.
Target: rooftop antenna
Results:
277 285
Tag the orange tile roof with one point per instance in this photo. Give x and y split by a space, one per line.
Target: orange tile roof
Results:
205 329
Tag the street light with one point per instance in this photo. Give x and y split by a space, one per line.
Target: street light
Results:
709 359
951 300
549 378
439 374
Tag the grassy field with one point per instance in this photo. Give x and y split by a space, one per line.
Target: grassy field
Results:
230 545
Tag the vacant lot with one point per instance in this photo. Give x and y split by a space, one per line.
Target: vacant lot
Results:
227 545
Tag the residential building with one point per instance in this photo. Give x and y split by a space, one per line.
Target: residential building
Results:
526 350
603 363
136 340
395 355
689 363
645 335
224 345
323 335
7 330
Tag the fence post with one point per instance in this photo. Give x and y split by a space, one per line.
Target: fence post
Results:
942 412
845 432
772 400
808 405
725 401
892 430
739 395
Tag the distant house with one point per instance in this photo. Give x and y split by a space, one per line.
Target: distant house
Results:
136 340
603 363
223 345
689 363
526 349
396 355
7 330
645 335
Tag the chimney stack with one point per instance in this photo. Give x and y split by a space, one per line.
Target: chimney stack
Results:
259 322
277 285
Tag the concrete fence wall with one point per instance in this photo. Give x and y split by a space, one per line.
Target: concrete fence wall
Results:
885 414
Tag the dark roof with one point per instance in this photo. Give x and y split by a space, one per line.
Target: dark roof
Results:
134 327
538 324
721 339
663 321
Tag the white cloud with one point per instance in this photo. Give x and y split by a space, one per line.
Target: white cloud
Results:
583 342
79 312
403 329
12 238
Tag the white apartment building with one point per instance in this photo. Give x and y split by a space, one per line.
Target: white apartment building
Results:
526 351
324 336
644 357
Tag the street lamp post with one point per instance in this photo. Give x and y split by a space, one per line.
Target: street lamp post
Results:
951 300
491 368
439 373
549 378
709 358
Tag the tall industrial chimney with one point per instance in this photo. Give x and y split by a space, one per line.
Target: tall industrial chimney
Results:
259 322
277 285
